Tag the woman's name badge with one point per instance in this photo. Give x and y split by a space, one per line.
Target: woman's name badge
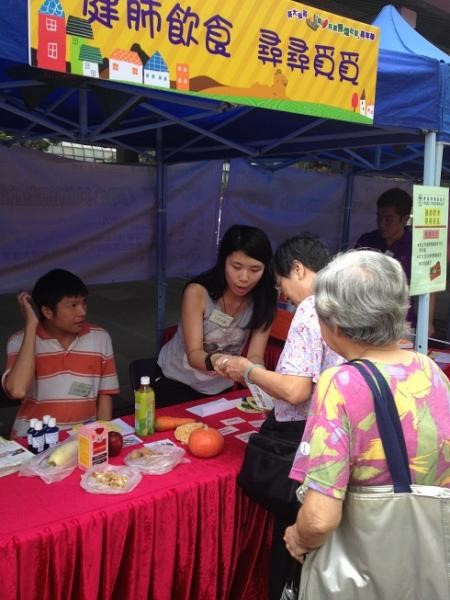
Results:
220 318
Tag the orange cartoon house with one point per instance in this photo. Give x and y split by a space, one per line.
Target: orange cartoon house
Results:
125 65
182 81
51 47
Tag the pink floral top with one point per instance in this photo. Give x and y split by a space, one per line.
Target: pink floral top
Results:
304 354
341 444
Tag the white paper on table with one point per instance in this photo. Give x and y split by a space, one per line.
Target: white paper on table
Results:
440 357
214 407
131 440
257 423
125 429
233 421
244 436
228 429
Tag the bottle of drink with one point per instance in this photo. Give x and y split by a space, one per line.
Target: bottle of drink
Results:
144 408
30 433
45 420
38 438
51 433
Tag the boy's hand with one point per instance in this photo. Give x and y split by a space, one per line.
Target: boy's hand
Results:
27 309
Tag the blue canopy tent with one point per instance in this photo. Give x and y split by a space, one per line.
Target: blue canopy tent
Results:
401 43
412 113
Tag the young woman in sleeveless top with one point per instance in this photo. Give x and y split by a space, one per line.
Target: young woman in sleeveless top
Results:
224 309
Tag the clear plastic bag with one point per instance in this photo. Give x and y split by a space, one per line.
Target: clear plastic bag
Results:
108 479
65 456
156 458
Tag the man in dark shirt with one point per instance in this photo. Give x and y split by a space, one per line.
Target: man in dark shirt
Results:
394 238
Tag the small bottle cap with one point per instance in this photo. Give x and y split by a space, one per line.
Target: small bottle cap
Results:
33 422
52 422
38 426
145 380
46 419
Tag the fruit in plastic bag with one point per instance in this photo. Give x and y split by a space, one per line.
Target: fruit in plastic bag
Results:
63 454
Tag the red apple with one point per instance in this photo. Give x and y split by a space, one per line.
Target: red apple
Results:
115 443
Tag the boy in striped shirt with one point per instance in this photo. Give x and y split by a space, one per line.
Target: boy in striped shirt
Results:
59 364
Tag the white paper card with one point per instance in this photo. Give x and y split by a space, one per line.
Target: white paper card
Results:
125 429
131 440
232 421
257 423
214 407
261 398
244 436
228 429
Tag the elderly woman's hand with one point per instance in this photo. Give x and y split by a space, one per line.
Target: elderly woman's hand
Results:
221 362
292 541
235 367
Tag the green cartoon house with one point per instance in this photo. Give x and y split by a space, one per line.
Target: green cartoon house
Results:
78 31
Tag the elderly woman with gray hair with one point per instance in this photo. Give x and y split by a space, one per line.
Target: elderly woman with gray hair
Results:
362 300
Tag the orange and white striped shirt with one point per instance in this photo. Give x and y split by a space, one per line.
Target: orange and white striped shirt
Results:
67 382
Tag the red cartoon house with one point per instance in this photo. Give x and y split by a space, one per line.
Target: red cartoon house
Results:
51 50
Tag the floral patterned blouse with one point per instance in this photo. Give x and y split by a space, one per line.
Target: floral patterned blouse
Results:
341 444
304 354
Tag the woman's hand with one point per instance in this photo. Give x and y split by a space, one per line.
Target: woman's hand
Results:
220 362
235 367
293 545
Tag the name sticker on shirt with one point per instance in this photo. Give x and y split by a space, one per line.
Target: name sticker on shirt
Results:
78 388
220 318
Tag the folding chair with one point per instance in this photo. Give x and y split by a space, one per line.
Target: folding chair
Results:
140 367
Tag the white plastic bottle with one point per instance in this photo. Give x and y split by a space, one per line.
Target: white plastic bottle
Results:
144 408
51 433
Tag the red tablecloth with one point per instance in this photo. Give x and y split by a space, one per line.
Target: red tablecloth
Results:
186 535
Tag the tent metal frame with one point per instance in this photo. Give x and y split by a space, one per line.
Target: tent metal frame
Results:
41 114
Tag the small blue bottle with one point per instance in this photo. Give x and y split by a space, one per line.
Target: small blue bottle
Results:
51 433
38 438
30 434
45 420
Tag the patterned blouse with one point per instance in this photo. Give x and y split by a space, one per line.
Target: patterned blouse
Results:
305 354
341 444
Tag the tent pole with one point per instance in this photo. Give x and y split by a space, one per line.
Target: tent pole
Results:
161 241
431 176
348 201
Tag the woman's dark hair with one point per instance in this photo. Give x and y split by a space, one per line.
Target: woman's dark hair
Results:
305 248
254 243
54 285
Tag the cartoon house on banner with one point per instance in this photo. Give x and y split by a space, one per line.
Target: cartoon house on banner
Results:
84 59
125 65
90 58
156 72
51 50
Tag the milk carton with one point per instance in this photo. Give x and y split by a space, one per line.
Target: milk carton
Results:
93 445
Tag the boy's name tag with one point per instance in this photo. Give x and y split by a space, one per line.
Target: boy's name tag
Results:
220 318
78 388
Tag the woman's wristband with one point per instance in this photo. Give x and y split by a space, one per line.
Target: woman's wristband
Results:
249 370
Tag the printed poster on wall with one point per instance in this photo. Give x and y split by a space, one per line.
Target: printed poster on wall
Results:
272 54
429 243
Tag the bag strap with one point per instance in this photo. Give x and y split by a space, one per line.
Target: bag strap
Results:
389 425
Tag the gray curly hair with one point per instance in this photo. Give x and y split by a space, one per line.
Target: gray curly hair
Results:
365 293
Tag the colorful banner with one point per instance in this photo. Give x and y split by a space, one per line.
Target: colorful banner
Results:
280 55
429 251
